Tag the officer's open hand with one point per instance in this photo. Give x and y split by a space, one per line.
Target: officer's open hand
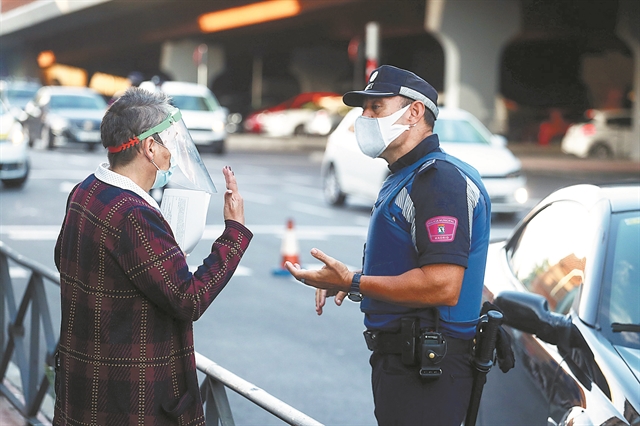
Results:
233 202
334 277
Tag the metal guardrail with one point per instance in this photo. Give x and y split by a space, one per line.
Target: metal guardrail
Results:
34 366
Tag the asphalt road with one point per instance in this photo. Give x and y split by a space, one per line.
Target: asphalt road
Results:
263 327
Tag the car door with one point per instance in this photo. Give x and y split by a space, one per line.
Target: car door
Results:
546 256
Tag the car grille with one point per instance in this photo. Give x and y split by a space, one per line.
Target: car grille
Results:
86 125
10 166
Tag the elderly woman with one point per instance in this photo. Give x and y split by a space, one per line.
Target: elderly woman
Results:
128 299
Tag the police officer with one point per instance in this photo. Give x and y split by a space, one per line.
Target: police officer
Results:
424 260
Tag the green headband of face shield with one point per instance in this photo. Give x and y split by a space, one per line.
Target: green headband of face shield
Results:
174 116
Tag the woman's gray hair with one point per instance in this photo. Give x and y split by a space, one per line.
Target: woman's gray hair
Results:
135 112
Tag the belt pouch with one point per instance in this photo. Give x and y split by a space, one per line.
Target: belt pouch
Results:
408 331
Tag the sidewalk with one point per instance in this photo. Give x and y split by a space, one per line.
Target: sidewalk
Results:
535 157
9 416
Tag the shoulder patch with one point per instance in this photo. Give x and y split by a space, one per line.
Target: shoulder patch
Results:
442 229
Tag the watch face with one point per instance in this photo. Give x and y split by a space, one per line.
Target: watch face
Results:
355 297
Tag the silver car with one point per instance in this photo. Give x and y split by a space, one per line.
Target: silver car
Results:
59 115
568 282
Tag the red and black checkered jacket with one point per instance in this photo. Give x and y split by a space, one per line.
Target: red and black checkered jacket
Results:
126 354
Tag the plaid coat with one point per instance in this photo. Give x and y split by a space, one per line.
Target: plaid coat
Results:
128 301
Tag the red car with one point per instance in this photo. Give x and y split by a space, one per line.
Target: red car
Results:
309 101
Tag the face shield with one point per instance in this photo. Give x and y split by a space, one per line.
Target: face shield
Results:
173 134
184 208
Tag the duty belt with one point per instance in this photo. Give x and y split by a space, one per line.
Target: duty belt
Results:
395 343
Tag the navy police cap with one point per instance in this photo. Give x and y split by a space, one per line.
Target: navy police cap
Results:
388 81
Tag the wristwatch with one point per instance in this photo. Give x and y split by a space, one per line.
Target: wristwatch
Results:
354 292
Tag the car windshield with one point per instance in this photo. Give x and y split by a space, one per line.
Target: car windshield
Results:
458 131
76 102
194 103
621 299
20 97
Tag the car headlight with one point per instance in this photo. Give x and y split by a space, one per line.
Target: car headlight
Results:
16 135
521 195
58 124
217 126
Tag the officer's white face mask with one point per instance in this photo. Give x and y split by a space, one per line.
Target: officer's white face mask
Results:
375 134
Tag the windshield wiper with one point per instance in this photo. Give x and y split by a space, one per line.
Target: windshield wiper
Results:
617 327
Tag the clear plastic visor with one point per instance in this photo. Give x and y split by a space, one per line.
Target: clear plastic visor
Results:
173 134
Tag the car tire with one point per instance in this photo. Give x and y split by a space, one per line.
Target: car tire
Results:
30 139
48 138
218 147
16 183
299 130
331 188
91 147
601 151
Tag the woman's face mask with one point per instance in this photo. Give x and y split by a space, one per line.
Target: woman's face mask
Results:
163 176
375 134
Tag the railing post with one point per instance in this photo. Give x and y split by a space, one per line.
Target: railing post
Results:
217 404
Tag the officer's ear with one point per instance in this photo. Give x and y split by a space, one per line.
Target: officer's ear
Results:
417 110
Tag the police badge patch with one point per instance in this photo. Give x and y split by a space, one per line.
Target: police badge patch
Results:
442 229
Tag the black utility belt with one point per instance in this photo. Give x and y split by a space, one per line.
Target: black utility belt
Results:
426 348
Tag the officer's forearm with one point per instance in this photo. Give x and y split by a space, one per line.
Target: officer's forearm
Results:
431 285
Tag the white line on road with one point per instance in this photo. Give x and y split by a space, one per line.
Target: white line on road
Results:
311 209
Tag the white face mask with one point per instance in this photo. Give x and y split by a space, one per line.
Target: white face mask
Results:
375 134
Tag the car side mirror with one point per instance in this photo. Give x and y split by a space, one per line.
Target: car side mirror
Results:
498 140
530 313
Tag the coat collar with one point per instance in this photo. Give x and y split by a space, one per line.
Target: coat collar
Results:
106 175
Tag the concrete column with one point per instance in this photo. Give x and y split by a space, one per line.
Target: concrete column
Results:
629 31
473 35
177 60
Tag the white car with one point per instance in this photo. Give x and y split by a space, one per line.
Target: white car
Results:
346 171
607 134
14 153
201 112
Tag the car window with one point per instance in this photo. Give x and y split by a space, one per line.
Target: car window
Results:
76 102
193 103
548 256
619 121
621 300
461 131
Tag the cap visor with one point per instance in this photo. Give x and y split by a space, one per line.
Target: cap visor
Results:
356 98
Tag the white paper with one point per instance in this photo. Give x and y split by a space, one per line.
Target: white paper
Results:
186 212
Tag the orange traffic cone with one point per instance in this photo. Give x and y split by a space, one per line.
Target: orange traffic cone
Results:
289 250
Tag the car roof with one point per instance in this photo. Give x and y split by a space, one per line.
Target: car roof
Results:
68 90
179 88
621 196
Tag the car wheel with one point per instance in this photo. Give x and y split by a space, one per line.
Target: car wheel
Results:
299 130
27 133
218 147
16 183
91 147
601 151
48 138
331 187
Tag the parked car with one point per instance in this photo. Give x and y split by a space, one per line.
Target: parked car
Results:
201 112
14 153
17 93
311 113
607 134
346 171
59 115
568 283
